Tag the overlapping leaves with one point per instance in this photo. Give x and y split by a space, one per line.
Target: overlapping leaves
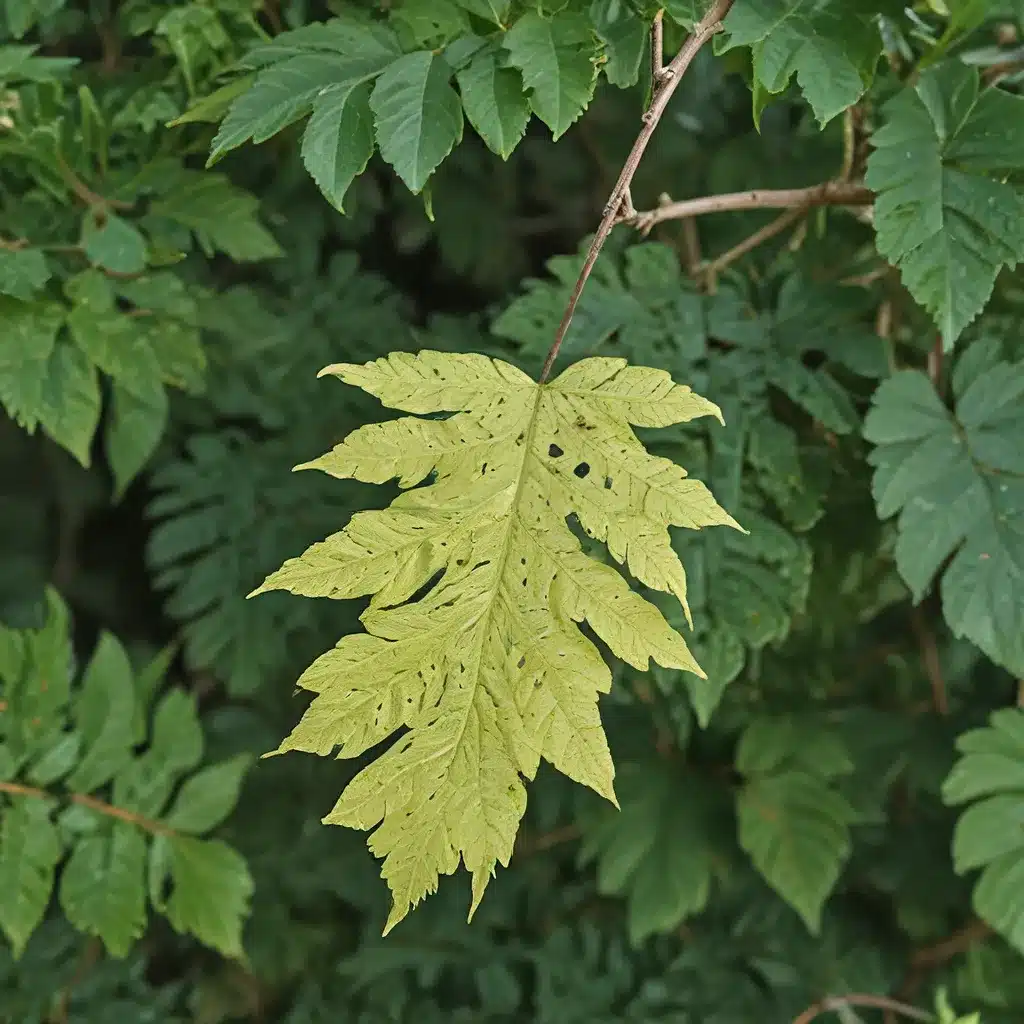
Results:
368 85
957 481
77 793
990 834
945 213
487 668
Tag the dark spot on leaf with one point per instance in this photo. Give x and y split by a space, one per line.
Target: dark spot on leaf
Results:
555 452
582 470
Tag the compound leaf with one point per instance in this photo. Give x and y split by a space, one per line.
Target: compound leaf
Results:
487 668
956 481
944 214
989 834
830 45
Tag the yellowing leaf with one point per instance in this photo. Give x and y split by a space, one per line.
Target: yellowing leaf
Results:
478 585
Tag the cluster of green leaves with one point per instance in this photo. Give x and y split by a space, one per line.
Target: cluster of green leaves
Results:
101 778
806 779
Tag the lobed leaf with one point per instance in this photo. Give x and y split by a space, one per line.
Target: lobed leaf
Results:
478 585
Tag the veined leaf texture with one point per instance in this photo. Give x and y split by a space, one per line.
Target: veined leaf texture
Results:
473 645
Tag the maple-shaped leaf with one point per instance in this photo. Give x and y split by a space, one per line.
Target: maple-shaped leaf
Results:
471 644
957 481
945 213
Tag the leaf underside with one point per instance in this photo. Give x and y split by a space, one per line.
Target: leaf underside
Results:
478 582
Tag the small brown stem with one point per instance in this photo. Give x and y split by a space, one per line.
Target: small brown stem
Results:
760 236
657 49
85 193
829 193
930 659
691 245
547 840
874 1002
935 362
84 800
661 94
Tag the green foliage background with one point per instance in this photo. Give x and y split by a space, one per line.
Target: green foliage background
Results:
838 812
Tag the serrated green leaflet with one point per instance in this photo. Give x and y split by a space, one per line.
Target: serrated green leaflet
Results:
418 116
945 215
988 834
957 480
487 668
657 851
493 99
556 57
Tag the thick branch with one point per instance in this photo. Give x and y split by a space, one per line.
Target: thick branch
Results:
874 1002
84 800
613 212
829 193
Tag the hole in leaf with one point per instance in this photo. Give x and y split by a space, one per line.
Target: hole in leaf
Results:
582 470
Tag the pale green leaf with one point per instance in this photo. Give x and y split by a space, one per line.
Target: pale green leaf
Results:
29 851
103 888
494 102
338 141
945 215
418 116
22 272
208 797
557 59
487 669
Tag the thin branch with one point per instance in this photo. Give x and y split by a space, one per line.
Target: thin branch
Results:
619 201
930 659
959 942
657 49
872 1002
85 193
829 193
548 840
84 800
777 226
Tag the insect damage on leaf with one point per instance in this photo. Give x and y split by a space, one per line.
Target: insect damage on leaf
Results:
477 582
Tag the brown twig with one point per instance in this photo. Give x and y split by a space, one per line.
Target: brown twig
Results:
829 193
84 800
619 206
770 230
547 840
929 958
930 660
873 1002
85 193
